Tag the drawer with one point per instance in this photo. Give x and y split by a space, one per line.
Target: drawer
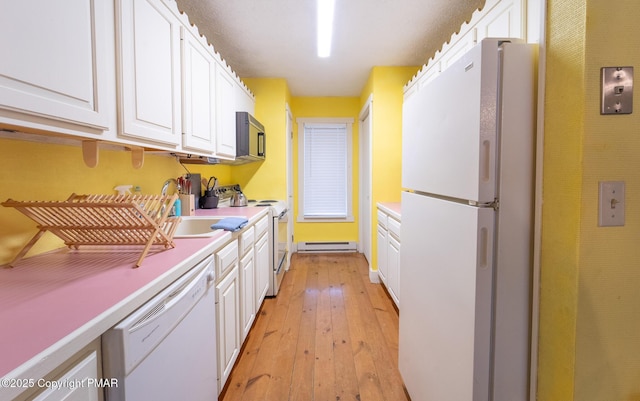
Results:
394 227
246 240
262 226
226 258
382 218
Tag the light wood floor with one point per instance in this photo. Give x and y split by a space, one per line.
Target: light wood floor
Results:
329 335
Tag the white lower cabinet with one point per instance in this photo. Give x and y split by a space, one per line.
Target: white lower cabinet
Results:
393 260
247 281
79 378
262 269
247 278
242 268
389 254
85 369
228 316
382 254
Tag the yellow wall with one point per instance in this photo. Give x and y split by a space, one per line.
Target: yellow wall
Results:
608 318
267 180
561 214
589 322
329 107
386 85
44 171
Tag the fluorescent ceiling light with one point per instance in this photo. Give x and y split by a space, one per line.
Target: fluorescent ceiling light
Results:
325 26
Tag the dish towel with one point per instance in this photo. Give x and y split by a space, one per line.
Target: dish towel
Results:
230 224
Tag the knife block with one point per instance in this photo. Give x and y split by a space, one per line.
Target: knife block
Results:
188 204
196 190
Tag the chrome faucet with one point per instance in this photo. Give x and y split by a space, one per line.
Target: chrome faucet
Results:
165 186
164 190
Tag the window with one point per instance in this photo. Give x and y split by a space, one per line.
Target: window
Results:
324 170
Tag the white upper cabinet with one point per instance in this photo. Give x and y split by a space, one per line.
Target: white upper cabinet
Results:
225 112
244 100
503 20
497 19
198 95
149 71
55 61
125 71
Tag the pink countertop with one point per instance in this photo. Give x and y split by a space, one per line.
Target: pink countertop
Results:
393 208
52 304
245 211
46 298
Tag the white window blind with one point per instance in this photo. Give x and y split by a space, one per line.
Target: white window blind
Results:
326 171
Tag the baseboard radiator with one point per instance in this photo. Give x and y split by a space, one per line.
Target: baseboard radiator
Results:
327 246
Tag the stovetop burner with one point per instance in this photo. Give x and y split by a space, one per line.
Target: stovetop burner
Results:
276 206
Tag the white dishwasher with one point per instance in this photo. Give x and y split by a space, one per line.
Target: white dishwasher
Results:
166 350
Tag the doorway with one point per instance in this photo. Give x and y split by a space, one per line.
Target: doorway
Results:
289 128
365 179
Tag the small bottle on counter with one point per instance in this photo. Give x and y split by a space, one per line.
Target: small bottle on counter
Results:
177 208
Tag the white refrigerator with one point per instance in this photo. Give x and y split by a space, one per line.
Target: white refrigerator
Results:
467 212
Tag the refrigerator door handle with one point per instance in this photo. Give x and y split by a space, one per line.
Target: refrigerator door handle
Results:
484 248
486 161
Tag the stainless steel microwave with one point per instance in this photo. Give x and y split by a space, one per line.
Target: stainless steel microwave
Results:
250 139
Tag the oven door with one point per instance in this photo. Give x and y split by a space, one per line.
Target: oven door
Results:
282 222
279 251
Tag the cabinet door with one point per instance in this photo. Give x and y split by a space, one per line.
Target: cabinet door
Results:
262 269
149 71
244 100
248 303
198 95
228 321
503 21
226 113
54 60
86 368
393 278
382 254
226 259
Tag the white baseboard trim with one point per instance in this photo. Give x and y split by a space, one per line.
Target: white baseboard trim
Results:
346 246
373 276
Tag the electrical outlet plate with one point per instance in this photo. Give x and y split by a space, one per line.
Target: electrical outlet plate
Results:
617 90
612 204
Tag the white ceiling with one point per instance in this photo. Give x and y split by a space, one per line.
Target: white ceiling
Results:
276 38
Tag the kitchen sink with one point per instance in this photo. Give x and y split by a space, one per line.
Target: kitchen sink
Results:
196 227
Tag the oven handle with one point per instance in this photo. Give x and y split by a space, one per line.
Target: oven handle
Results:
281 263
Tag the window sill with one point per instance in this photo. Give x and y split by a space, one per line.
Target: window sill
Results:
348 219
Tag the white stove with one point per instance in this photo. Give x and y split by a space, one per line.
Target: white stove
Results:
277 206
278 244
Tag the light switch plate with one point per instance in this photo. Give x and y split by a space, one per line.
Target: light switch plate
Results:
617 90
612 204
